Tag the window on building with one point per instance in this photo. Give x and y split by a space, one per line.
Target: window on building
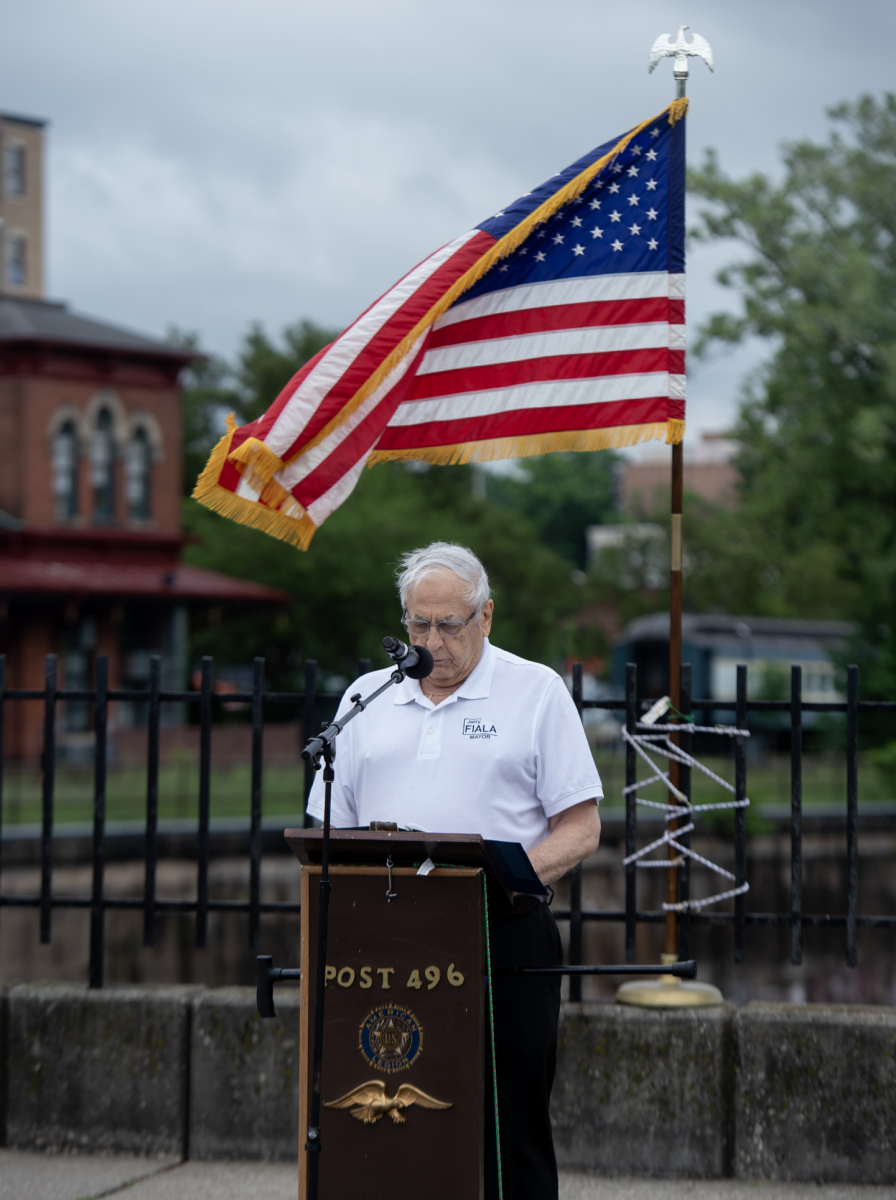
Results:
65 471
15 170
102 468
138 464
15 260
79 642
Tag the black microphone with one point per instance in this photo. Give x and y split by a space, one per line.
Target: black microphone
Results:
415 661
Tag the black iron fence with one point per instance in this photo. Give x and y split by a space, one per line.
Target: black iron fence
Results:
309 704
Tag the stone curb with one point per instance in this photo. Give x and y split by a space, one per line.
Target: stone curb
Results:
767 1092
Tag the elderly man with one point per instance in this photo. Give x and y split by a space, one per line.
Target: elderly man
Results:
489 743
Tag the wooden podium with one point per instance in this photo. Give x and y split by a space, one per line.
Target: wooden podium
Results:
405 1015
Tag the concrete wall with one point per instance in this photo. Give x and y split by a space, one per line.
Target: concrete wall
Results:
769 1091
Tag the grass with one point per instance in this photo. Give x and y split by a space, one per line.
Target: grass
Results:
768 782
126 793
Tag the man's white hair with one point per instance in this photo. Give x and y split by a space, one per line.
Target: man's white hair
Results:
443 556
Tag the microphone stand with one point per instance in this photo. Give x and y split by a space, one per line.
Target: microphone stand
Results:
324 747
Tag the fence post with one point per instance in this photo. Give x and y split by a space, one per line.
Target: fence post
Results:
575 876
2 708
740 817
631 809
97 904
49 783
152 800
852 816
684 783
308 728
205 766
255 831
796 815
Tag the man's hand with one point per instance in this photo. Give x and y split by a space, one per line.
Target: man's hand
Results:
574 836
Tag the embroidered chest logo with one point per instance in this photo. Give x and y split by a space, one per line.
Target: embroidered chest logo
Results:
475 727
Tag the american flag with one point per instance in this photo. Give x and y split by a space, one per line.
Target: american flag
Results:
556 324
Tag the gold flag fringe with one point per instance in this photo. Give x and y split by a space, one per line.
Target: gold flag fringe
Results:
258 463
292 525
540 443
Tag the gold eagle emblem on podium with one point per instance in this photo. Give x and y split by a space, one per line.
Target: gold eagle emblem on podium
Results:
369 1102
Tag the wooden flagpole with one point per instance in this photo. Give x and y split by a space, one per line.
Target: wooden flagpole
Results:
675 589
668 991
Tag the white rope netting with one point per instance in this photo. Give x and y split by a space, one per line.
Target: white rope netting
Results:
649 739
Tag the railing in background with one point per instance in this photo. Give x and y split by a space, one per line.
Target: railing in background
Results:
101 696
307 703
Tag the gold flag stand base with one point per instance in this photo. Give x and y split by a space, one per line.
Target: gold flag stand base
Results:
669 992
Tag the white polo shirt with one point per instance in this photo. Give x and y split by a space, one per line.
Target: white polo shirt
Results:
499 757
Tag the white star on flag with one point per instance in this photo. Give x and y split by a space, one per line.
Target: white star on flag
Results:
615 216
597 232
578 250
539 257
614 188
633 199
651 185
595 205
617 245
651 154
633 170
636 228
652 244
651 212
558 240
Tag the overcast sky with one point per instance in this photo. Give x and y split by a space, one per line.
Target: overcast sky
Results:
215 163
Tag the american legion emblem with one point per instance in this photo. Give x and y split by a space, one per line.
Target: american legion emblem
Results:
390 1038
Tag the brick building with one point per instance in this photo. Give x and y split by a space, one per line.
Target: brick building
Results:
709 471
21 204
90 492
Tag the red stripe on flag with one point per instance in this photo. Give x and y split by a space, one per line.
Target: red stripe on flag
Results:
529 422
445 384
561 316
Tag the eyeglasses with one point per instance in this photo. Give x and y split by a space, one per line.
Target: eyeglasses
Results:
449 629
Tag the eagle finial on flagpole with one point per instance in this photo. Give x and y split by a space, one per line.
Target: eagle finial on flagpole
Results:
681 50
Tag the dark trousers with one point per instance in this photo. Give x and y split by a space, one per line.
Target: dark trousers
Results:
526 1016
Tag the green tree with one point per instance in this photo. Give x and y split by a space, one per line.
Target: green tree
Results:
560 495
816 531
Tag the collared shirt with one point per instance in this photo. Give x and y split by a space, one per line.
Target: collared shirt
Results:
499 757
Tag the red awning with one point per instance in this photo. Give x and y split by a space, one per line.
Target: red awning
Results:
180 582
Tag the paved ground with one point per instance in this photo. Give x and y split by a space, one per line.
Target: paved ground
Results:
28 1176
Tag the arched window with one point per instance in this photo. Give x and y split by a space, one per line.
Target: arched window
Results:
102 468
137 474
65 471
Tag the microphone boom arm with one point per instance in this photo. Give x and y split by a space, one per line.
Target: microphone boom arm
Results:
315 746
